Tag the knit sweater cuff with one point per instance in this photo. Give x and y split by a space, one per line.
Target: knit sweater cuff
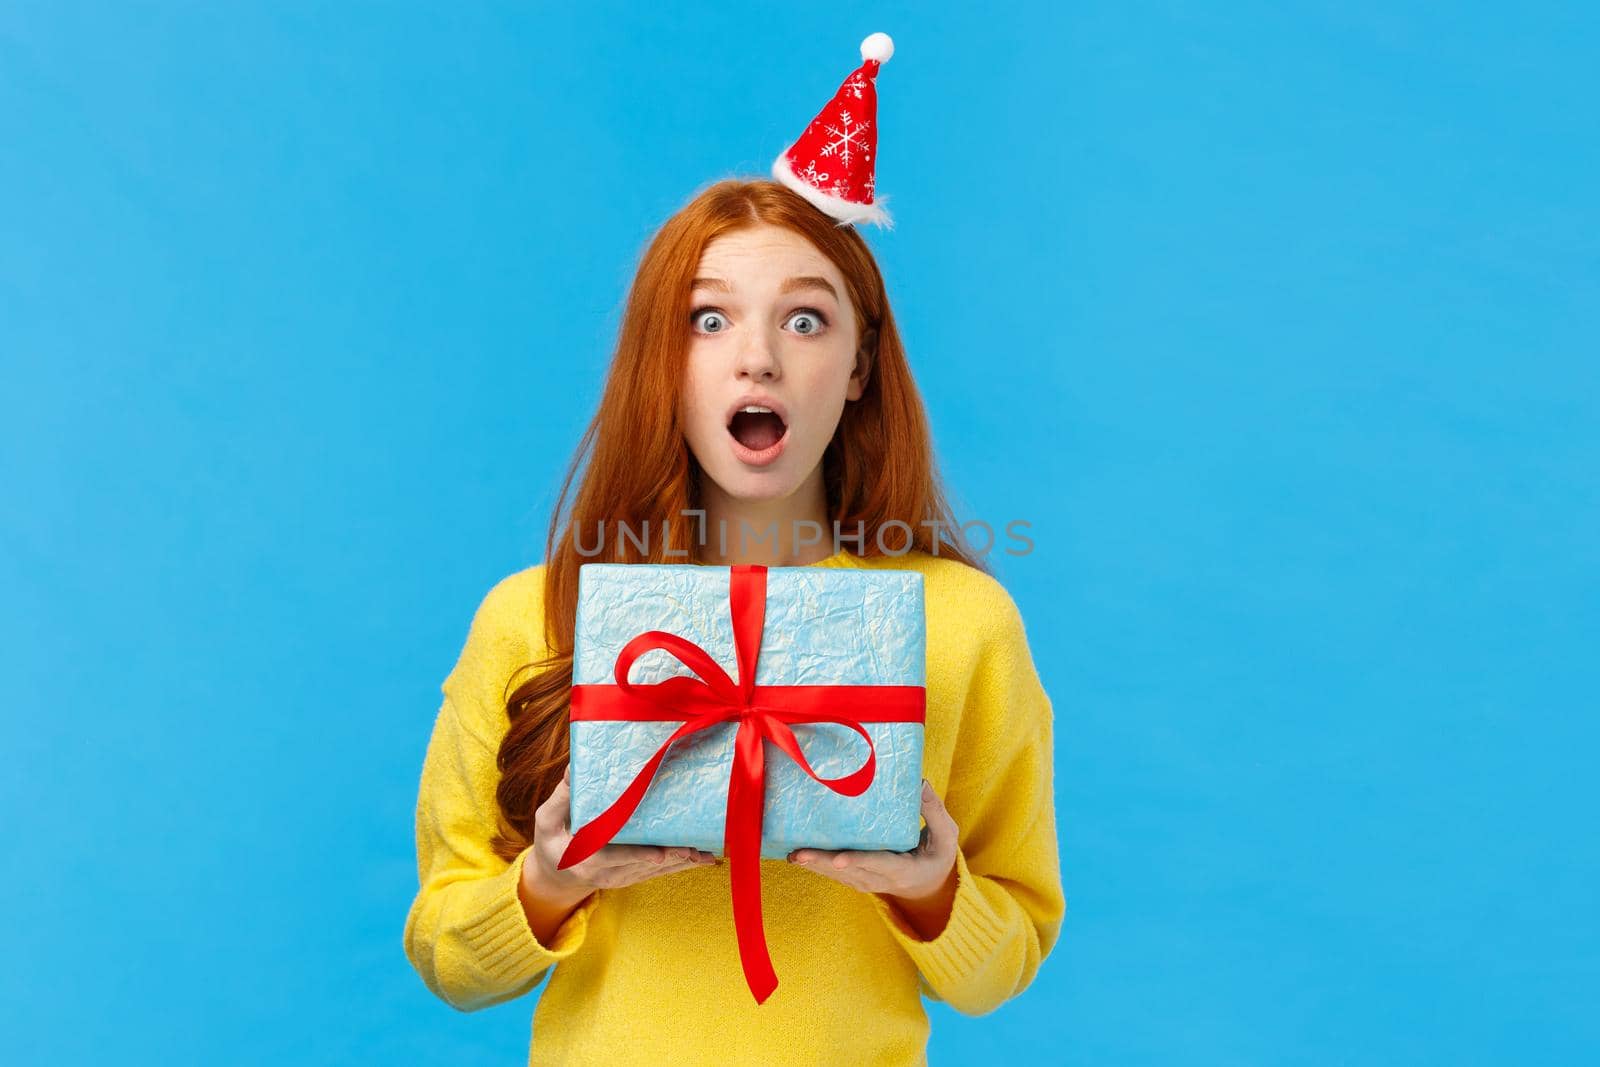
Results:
502 940
965 945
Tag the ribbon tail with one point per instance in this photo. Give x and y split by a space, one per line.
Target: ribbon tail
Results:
597 832
742 841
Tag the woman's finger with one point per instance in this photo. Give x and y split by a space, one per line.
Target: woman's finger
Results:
553 814
647 855
855 875
633 873
891 868
942 831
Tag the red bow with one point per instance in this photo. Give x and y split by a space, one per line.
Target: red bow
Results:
763 711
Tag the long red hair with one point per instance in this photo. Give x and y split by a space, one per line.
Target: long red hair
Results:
640 474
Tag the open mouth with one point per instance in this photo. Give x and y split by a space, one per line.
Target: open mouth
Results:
757 428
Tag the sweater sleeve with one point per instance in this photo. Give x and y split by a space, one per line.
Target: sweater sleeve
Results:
1008 905
466 933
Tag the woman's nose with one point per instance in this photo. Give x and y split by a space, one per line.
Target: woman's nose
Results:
758 360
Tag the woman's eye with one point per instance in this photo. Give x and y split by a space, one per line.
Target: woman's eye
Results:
710 315
808 321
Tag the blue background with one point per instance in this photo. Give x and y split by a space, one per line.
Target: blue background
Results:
1277 321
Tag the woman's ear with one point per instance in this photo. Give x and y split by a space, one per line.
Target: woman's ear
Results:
863 370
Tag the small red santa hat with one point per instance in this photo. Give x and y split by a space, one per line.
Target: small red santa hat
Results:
833 163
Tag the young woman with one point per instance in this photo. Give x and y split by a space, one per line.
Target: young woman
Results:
749 298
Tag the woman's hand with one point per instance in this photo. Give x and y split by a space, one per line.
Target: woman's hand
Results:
612 867
922 881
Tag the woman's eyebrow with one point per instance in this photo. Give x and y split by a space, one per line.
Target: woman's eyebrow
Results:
804 281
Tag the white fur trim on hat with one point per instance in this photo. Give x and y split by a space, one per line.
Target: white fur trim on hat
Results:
846 211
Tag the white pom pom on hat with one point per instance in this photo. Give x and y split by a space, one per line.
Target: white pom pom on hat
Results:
877 46
833 164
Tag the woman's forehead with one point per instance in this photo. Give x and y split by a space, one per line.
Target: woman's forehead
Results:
770 251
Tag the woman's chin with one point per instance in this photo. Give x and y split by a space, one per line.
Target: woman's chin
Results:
755 487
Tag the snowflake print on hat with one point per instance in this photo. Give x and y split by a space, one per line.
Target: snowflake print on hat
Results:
834 163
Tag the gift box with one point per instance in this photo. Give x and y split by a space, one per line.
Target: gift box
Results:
747 711
823 626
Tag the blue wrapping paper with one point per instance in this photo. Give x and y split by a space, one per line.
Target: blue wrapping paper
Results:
823 626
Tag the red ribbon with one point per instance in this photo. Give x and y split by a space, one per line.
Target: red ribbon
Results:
763 711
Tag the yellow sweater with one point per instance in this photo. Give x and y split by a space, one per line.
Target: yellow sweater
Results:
650 973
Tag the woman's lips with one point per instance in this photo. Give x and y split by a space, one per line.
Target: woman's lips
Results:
764 458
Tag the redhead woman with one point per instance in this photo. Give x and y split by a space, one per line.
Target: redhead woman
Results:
759 384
